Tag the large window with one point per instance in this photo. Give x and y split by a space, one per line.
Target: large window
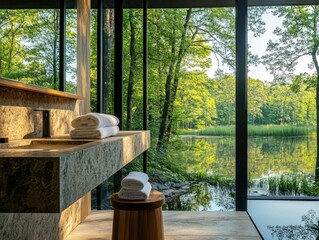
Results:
282 146
191 95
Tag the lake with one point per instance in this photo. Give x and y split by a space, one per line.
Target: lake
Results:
267 156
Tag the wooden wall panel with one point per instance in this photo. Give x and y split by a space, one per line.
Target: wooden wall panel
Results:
83 54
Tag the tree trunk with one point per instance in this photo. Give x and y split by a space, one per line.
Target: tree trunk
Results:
167 101
107 57
55 49
171 89
314 58
169 78
180 57
228 112
317 115
130 88
150 117
11 50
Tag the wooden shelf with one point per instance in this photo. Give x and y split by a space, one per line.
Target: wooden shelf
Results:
32 88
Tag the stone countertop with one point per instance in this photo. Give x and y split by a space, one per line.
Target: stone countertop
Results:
48 181
12 149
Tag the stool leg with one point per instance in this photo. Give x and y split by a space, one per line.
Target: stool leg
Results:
138 225
115 228
155 224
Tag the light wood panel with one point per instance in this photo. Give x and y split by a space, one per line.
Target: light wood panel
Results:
32 88
86 206
83 54
177 226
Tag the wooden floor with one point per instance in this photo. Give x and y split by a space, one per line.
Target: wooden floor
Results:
177 226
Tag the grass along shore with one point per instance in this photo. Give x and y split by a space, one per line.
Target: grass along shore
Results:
253 130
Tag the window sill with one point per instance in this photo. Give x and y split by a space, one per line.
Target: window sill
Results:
33 88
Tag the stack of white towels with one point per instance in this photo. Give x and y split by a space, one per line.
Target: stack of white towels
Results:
94 125
135 186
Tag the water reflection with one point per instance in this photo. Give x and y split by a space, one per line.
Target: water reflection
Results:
309 229
266 155
201 197
276 165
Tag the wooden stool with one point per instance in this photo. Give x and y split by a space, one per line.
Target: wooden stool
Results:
138 220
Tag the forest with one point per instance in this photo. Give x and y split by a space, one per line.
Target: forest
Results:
183 46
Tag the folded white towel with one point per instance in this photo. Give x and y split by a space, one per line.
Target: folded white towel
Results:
134 181
95 120
136 195
94 133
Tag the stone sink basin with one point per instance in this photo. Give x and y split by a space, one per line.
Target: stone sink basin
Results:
47 144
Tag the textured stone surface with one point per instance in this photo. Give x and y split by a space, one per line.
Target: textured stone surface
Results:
29 185
82 171
29 226
36 226
51 180
19 120
79 173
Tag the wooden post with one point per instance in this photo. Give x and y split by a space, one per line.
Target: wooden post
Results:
83 53
83 75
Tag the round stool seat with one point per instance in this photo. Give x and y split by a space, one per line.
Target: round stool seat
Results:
138 219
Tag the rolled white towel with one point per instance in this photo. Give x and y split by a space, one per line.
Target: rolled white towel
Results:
94 133
134 181
136 195
95 120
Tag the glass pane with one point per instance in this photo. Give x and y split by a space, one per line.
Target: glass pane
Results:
108 85
191 95
71 37
282 143
133 69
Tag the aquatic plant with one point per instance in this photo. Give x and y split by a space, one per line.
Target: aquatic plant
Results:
254 130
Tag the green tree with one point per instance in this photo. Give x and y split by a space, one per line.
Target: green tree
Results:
225 99
108 34
298 37
195 105
194 34
280 105
14 24
304 85
257 98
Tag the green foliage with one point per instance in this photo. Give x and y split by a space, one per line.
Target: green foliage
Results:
294 41
310 188
199 109
267 130
274 130
292 184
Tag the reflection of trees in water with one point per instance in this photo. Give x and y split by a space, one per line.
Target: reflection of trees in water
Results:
196 197
200 196
266 155
309 229
224 197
